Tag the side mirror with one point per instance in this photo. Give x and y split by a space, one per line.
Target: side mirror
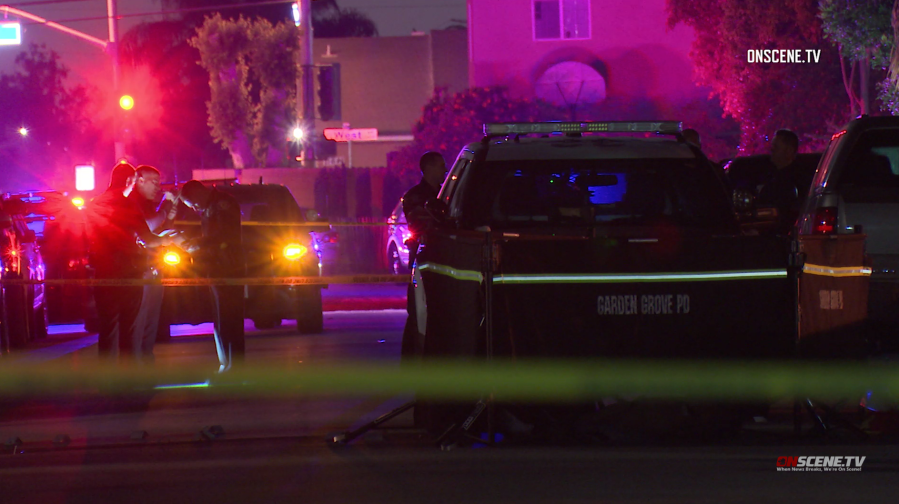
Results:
29 237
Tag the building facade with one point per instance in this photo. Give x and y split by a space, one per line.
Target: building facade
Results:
579 53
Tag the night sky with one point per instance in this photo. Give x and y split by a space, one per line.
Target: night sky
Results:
392 17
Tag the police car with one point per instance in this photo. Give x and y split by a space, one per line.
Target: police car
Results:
607 239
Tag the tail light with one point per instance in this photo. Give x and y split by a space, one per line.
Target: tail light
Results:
825 221
293 251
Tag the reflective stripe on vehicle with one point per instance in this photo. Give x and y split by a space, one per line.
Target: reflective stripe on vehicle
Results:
458 274
848 271
698 276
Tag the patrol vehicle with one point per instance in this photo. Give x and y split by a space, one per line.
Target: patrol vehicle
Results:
612 239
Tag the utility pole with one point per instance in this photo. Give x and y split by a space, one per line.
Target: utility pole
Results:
308 69
112 48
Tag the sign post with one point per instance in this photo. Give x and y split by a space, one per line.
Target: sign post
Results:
349 136
10 34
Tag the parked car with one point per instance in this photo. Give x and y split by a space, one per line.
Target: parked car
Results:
325 242
397 235
23 310
271 251
60 229
856 190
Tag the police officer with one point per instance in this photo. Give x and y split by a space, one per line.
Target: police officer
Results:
433 172
160 217
114 224
419 220
789 184
220 253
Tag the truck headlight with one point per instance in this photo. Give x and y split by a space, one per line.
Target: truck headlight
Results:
171 258
293 251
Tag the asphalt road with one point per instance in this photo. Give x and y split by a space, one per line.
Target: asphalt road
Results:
165 446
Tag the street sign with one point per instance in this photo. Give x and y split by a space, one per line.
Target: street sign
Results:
10 34
351 135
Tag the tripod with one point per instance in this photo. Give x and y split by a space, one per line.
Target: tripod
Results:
456 432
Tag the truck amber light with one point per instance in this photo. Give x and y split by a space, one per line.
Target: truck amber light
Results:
171 258
293 251
825 221
78 201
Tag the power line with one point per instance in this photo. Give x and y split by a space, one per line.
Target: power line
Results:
159 13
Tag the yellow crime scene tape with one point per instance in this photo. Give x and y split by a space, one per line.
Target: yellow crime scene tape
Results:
301 224
536 381
190 282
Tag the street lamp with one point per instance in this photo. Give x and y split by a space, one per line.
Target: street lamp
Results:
126 102
23 131
298 133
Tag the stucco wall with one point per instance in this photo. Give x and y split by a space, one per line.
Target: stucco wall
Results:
630 41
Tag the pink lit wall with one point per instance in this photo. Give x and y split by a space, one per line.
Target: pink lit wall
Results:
630 42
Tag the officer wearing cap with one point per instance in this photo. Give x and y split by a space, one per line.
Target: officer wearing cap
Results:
219 252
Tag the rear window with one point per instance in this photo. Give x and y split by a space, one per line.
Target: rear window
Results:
265 204
874 160
605 192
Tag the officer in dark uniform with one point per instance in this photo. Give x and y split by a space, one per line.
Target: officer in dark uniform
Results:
114 225
219 252
788 185
433 172
419 220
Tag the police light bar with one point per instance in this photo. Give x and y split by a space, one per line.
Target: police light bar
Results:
670 127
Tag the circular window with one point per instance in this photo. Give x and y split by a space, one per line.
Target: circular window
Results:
571 84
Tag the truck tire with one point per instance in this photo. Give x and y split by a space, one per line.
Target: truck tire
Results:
310 316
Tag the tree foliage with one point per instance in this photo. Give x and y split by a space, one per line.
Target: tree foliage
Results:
450 121
862 31
252 79
765 97
328 18
159 52
58 119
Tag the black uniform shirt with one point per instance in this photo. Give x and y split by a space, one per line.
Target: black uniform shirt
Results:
418 219
115 224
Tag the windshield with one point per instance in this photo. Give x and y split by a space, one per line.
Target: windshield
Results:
603 192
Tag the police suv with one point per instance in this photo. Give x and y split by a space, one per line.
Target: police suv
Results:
613 239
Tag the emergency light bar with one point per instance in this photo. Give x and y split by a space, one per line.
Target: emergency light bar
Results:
669 127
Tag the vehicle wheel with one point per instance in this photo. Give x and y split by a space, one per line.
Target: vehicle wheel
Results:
17 314
164 333
310 318
92 325
40 323
395 263
266 322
